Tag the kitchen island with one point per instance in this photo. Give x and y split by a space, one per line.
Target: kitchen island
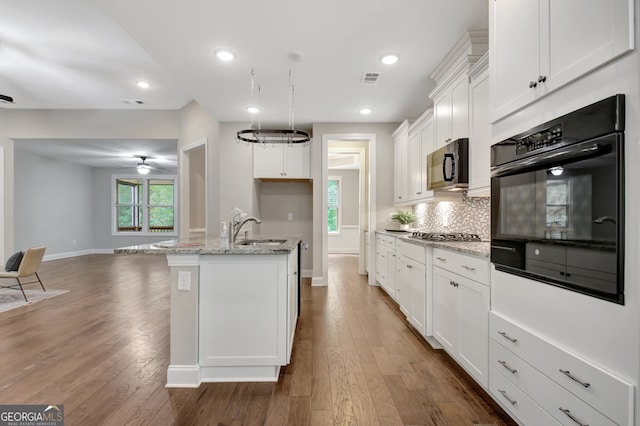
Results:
234 307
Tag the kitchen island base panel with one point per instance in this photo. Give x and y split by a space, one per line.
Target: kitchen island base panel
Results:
192 376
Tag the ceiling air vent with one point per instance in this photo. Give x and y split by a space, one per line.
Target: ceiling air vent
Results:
131 101
370 78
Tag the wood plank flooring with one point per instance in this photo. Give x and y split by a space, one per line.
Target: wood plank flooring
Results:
102 350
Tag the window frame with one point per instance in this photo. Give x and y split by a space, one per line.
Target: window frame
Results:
339 207
143 205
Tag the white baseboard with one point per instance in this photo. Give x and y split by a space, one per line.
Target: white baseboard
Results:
318 282
183 376
307 273
343 251
68 254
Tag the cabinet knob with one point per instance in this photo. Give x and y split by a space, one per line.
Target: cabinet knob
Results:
542 78
532 84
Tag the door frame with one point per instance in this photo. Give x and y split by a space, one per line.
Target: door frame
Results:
183 173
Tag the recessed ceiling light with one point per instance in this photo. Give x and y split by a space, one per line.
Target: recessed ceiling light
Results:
365 111
143 84
389 59
224 54
253 110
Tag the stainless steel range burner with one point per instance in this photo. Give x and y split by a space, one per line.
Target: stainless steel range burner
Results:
446 237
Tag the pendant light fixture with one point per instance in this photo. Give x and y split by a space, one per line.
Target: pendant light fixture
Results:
256 134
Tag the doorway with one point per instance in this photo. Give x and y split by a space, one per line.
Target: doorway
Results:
362 145
193 165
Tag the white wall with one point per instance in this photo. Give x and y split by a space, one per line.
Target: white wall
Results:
196 124
7 191
53 199
348 240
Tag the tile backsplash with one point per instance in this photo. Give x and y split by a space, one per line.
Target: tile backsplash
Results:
471 214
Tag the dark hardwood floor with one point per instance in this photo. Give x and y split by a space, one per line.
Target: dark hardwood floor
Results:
102 350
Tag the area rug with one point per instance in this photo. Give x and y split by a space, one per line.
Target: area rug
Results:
12 298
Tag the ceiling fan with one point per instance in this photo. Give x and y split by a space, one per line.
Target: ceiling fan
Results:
143 167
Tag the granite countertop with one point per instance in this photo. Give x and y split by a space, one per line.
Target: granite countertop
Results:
474 248
210 245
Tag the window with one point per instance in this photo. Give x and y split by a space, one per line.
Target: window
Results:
144 205
334 201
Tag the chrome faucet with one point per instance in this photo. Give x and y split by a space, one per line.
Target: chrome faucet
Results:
236 225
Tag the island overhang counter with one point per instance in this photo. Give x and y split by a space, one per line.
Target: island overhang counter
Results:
234 307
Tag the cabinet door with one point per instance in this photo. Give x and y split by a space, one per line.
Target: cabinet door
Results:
460 108
414 170
400 168
442 119
426 140
297 160
473 328
391 273
417 280
604 33
268 161
514 60
292 299
381 264
479 133
403 287
445 309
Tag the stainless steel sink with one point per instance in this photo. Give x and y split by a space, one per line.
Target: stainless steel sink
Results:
265 242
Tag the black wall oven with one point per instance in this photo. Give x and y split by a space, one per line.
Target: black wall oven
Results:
557 202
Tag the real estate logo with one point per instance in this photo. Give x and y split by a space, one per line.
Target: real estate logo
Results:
32 415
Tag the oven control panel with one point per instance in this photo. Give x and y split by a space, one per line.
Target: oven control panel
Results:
539 140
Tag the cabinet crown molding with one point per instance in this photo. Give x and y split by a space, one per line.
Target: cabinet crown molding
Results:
403 127
464 54
479 67
426 115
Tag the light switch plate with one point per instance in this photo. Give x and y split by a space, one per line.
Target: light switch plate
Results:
184 280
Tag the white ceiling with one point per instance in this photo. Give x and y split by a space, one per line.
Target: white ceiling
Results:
90 53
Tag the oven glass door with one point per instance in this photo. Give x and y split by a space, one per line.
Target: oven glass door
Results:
559 218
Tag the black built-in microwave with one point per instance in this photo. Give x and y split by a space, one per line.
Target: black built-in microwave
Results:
557 202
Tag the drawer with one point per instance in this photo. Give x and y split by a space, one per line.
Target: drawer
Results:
607 393
386 240
519 405
553 398
412 251
471 267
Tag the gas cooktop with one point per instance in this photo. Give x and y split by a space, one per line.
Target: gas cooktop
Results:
445 236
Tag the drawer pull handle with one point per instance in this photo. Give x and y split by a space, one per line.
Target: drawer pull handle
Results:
468 268
574 378
504 364
441 259
511 339
568 414
509 399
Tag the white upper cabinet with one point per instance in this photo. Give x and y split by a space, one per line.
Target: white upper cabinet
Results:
451 95
535 47
479 129
420 145
281 161
400 172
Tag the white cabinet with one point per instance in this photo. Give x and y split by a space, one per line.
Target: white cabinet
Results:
420 145
400 173
535 47
461 310
412 283
247 314
281 161
561 383
292 300
386 263
451 112
479 129
451 95
367 245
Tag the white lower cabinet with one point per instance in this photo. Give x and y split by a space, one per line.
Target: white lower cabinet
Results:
411 282
564 386
461 311
386 263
